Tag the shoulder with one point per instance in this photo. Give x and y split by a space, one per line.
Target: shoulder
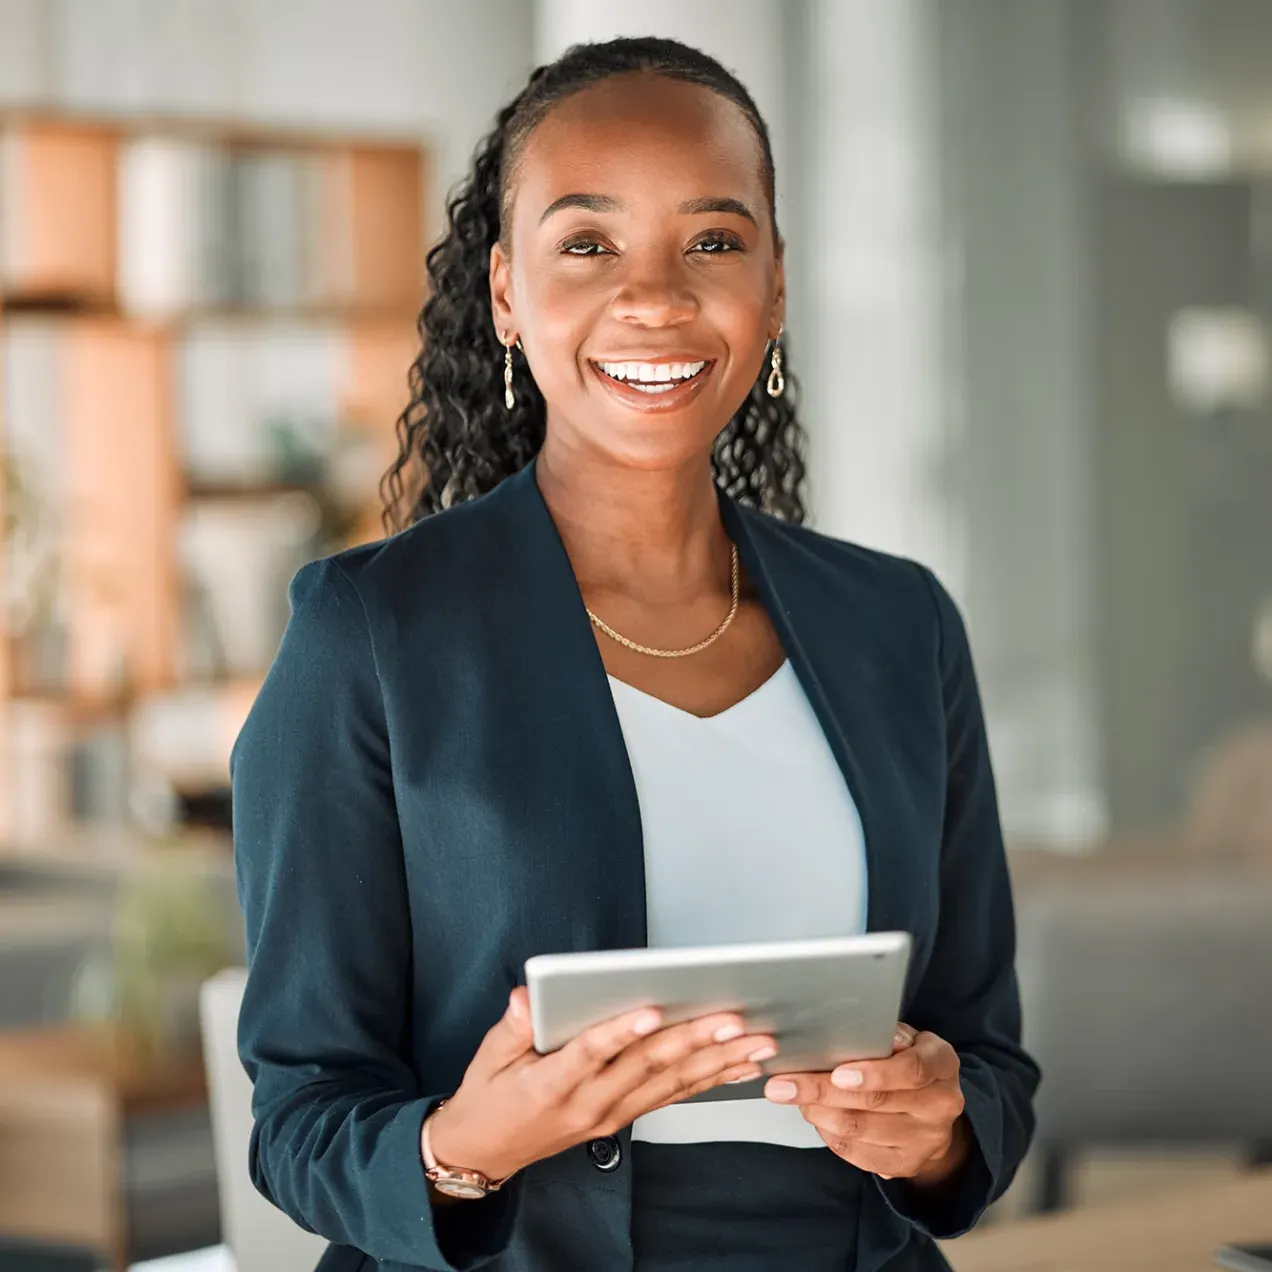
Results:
898 592
437 552
842 555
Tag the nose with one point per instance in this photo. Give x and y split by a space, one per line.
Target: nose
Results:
654 293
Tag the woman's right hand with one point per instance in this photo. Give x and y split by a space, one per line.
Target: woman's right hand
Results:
515 1106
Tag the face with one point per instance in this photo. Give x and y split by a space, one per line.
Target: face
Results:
641 272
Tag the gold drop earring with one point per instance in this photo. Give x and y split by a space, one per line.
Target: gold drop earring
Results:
509 398
777 381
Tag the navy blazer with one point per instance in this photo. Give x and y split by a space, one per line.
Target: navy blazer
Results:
432 786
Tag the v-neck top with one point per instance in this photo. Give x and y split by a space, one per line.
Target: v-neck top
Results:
750 834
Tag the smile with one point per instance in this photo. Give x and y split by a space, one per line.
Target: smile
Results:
651 378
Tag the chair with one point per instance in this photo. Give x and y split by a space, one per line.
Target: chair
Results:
261 1237
1148 1004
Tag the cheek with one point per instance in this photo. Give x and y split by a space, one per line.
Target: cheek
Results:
739 306
565 310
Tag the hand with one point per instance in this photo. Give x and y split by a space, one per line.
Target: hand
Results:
515 1107
899 1118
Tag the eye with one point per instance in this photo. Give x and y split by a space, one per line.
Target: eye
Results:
717 243
582 246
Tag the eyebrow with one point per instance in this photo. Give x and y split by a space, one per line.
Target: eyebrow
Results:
734 207
588 202
604 203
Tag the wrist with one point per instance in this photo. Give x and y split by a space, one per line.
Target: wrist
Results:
451 1147
945 1164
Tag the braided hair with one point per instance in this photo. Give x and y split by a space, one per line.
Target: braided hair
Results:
456 439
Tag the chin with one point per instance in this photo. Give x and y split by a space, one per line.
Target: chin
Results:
654 444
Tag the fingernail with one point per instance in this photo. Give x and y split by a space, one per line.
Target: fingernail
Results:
727 1033
764 1053
847 1077
900 1040
780 1091
645 1024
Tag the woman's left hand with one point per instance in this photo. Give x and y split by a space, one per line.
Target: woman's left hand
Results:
899 1118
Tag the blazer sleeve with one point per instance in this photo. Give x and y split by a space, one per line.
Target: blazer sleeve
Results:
325 1024
968 994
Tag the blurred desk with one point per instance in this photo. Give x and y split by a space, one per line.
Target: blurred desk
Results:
66 1096
1172 1231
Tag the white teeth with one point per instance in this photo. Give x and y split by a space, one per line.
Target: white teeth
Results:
651 373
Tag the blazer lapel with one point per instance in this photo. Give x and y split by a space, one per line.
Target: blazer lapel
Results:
820 628
594 888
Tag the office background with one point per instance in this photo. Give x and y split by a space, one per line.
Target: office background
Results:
1030 270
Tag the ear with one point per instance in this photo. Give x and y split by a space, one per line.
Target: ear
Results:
501 307
778 316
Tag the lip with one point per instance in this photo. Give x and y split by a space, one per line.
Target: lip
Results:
669 400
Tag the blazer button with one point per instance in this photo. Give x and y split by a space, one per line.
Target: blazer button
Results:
605 1153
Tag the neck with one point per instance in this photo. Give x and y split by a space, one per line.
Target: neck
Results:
653 534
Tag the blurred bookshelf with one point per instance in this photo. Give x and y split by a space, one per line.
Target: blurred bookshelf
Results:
205 334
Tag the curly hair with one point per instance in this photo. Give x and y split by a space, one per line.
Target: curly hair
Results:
456 439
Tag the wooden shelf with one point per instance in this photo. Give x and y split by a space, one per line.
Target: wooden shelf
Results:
57 212
97 215
244 490
122 505
400 315
106 422
385 215
177 323
16 305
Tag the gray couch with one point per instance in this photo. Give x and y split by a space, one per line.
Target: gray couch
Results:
1147 989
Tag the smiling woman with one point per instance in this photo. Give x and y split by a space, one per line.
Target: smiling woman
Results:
602 690
457 440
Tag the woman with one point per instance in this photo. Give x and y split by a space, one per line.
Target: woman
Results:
611 694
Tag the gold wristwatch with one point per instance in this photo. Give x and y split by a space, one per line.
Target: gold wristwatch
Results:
454 1181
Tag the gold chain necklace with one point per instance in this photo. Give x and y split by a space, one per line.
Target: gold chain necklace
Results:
735 592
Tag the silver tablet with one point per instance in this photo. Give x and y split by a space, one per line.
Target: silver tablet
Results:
825 1001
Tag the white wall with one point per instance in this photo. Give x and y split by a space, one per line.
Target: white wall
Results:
1020 377
874 273
24 55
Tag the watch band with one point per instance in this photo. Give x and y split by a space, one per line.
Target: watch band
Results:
453 1181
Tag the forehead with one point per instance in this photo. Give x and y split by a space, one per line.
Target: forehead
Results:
642 138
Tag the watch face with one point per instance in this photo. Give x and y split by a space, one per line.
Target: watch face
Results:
456 1188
